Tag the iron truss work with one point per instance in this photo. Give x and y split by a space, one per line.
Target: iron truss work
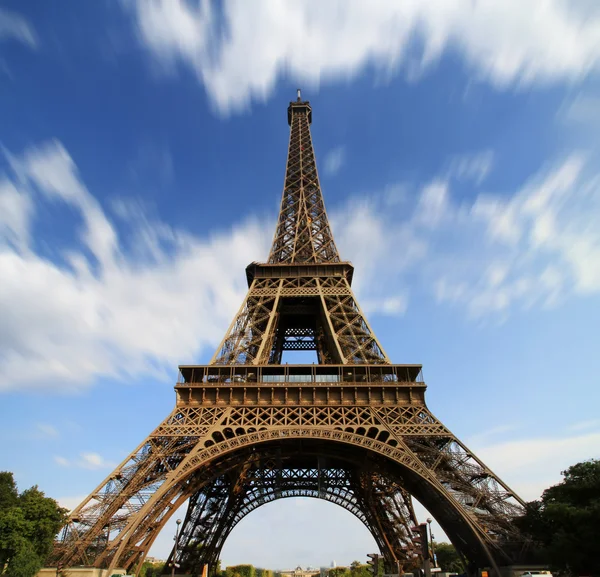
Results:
303 234
353 429
320 309
382 505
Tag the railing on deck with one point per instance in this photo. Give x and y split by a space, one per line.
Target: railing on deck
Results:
197 374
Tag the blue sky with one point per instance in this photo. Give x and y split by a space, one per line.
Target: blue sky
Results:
143 154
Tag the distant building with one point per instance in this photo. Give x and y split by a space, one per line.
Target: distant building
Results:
333 565
154 560
299 572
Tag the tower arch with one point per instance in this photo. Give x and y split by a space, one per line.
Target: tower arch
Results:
355 409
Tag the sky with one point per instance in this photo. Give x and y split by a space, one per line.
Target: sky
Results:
143 147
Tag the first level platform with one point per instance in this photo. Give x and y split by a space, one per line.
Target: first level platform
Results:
276 385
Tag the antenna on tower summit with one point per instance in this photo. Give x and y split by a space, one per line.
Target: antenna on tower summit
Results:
299 97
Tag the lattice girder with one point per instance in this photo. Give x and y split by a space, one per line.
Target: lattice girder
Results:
267 483
324 307
303 233
171 470
245 409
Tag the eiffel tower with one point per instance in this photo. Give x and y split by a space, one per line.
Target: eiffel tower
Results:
353 429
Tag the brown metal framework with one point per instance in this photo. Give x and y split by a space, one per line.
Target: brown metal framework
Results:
380 503
246 430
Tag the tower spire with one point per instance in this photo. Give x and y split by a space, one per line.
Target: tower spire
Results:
303 233
248 428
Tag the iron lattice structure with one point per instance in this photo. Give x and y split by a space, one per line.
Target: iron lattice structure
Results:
353 429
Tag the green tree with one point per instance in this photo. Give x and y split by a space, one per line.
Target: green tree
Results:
217 570
25 563
8 490
240 571
151 569
448 558
358 569
339 572
28 524
566 521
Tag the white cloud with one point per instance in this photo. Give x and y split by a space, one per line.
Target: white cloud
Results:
15 212
94 461
334 160
432 207
582 109
364 235
474 167
484 437
86 460
48 431
536 246
583 425
71 502
160 296
15 27
391 306
241 51
532 465
548 233
114 312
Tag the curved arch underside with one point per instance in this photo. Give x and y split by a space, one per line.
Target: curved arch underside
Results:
354 415
195 446
380 503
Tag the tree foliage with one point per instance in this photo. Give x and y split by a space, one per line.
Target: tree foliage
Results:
149 569
25 563
448 559
8 490
338 572
217 570
566 521
240 571
28 524
356 569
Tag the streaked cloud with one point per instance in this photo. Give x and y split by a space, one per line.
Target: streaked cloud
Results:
14 27
48 431
70 502
537 247
474 166
15 214
96 321
507 42
530 465
94 461
582 109
85 460
391 306
585 425
334 160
